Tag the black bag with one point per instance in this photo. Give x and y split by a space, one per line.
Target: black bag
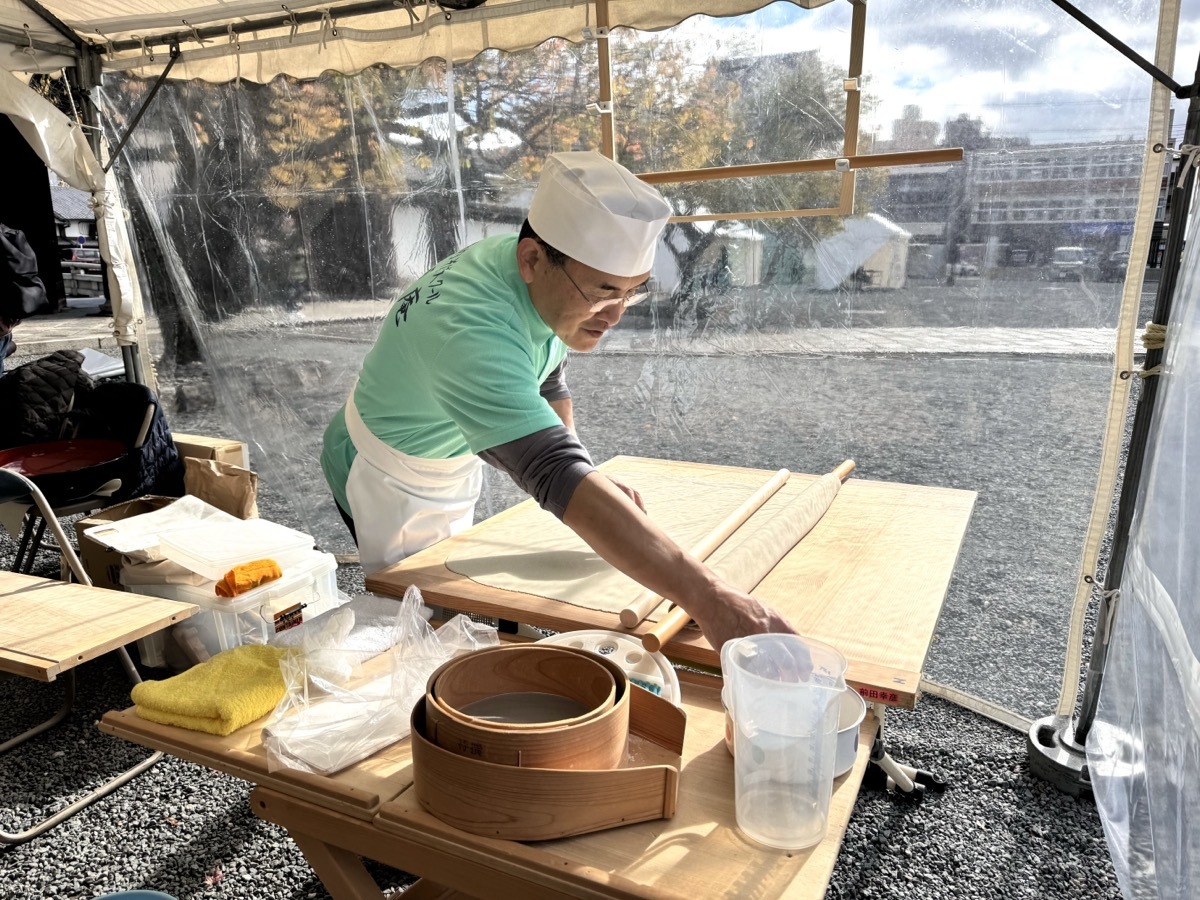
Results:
21 290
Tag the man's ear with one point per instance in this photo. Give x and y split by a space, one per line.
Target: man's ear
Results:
529 254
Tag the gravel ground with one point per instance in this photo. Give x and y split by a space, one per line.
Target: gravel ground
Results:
1023 429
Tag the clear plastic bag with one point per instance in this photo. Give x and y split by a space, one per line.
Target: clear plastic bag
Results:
353 677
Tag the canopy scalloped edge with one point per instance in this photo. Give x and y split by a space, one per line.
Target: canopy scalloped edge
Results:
391 37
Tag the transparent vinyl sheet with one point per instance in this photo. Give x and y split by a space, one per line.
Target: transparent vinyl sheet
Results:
931 336
1144 748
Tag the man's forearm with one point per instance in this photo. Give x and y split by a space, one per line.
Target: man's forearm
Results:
613 526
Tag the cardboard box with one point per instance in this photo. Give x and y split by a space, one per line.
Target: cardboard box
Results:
102 564
221 449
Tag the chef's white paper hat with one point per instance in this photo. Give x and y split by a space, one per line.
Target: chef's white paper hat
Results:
597 212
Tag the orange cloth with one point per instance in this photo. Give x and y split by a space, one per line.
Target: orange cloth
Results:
248 576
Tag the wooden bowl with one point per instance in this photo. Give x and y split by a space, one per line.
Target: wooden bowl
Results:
592 740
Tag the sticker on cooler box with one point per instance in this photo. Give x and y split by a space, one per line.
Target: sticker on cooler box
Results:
289 618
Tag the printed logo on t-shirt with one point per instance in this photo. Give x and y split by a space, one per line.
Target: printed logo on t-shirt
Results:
413 297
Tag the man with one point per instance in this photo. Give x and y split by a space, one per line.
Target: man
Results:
469 367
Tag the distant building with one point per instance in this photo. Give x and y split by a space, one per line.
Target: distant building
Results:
1010 203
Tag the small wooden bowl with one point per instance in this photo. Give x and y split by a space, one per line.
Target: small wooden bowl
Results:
594 740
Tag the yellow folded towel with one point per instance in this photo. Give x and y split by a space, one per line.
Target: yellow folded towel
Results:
219 695
248 576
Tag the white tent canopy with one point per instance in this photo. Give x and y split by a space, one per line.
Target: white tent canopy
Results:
221 40
61 145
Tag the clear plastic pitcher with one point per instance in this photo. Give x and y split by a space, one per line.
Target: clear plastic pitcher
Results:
783 691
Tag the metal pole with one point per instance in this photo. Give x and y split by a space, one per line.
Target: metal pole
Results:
137 117
1126 505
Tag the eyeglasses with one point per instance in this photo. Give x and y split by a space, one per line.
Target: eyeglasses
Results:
628 299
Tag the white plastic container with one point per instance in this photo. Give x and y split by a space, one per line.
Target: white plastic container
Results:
651 671
307 589
213 548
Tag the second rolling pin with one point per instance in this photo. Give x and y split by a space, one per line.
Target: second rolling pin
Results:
753 558
645 604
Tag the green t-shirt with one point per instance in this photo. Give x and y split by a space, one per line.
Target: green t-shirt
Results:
456 367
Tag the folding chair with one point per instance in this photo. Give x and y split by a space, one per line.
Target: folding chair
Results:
15 487
118 446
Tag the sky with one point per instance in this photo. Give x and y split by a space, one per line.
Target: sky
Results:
1025 67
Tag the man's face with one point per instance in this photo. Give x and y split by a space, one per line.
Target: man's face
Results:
6 326
579 303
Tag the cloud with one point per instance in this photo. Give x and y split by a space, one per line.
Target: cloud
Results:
1025 67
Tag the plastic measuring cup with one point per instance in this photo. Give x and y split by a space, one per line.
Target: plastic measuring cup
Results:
784 691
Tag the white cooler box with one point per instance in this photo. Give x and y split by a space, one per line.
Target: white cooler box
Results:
307 589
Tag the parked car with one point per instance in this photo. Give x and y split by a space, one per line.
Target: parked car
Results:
85 254
1068 262
1113 266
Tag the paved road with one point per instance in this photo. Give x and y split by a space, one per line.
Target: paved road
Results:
980 316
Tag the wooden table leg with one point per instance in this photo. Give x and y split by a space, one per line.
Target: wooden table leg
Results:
342 872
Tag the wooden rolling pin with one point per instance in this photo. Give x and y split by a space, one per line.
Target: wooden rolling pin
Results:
646 602
811 505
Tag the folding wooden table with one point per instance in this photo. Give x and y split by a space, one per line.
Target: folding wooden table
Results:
370 810
47 628
869 579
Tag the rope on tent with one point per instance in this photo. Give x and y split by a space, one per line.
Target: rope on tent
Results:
328 27
195 34
147 52
1155 336
407 5
30 50
293 22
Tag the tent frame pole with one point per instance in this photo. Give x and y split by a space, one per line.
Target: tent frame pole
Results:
1140 433
1057 744
149 98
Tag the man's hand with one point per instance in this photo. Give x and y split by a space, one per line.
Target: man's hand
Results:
737 614
629 492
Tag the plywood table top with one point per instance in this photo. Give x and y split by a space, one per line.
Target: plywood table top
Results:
48 627
869 579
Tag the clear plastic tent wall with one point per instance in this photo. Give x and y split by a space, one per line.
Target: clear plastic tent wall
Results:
1144 748
936 337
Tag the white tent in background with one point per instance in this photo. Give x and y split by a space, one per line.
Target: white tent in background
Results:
869 242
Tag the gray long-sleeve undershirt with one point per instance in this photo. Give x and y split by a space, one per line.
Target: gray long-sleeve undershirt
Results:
548 464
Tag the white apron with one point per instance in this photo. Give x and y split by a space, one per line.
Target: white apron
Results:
402 504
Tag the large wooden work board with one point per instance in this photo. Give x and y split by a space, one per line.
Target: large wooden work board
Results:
48 627
370 810
869 579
